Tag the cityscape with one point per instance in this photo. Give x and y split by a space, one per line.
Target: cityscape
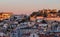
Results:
29 18
41 23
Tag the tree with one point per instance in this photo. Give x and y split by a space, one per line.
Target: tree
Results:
43 21
38 14
58 13
45 14
34 13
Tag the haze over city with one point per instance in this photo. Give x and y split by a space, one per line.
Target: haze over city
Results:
27 6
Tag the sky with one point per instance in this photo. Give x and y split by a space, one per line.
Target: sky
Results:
27 6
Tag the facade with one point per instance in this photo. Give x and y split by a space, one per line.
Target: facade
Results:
5 15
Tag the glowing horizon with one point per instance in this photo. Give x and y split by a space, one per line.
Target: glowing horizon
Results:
27 6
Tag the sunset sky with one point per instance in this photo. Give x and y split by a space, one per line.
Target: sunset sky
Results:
27 6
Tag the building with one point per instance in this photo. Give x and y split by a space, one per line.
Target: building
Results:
5 15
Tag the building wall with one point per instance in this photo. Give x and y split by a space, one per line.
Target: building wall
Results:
5 15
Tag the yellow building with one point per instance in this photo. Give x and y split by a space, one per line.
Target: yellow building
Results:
32 18
5 15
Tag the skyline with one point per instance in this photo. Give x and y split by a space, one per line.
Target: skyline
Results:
27 6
